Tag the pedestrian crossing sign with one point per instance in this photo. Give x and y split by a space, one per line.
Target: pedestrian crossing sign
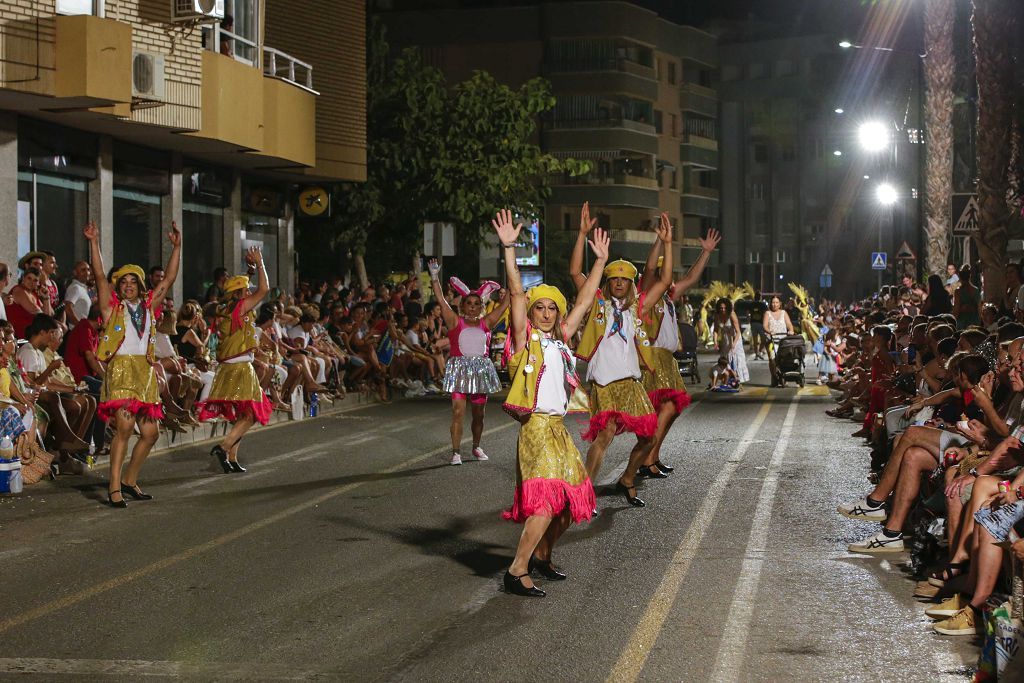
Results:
878 260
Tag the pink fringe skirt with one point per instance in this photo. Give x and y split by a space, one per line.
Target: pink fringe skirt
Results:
623 403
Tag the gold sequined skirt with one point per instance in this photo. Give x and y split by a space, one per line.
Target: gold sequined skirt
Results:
130 378
546 450
666 372
235 382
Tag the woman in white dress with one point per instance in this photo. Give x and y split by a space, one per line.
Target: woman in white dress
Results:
776 324
730 338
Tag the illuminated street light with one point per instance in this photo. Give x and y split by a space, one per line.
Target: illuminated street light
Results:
845 44
839 110
873 136
867 177
838 153
886 194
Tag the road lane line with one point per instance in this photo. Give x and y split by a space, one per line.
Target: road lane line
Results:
634 655
733 644
166 669
196 550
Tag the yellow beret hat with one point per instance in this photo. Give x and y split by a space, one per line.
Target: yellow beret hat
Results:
236 282
620 268
129 269
546 292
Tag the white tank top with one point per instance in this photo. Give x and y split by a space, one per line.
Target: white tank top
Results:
777 325
616 358
668 335
134 344
551 395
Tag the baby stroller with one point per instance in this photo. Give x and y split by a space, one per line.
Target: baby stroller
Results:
686 358
787 352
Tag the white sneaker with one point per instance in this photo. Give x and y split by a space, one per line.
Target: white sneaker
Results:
862 511
877 544
399 383
479 454
433 389
456 459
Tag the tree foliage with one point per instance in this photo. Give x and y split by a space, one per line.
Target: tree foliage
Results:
441 152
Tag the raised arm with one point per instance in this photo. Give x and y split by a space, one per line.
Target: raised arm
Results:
576 260
449 316
254 257
171 271
646 280
585 297
492 318
664 281
92 234
508 234
707 245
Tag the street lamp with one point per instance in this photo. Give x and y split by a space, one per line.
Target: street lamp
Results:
886 195
873 136
839 110
845 44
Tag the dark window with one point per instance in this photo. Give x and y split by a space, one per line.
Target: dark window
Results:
672 73
761 153
657 121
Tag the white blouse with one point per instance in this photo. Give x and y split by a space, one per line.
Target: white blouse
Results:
616 358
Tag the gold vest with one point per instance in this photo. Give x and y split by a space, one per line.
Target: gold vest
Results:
525 370
237 333
113 331
596 327
659 313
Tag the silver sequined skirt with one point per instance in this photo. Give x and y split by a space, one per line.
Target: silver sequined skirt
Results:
470 375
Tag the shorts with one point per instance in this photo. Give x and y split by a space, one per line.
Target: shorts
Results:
474 399
999 521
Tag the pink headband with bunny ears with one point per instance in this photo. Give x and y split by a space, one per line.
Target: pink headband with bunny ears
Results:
483 291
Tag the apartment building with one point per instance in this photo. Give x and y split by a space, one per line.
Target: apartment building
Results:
634 97
137 114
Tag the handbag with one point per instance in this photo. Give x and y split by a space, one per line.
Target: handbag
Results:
35 462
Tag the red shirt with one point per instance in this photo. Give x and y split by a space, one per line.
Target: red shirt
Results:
81 339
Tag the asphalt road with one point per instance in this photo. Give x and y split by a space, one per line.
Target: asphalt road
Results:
350 551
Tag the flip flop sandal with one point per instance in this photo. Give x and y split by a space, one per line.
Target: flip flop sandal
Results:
939 578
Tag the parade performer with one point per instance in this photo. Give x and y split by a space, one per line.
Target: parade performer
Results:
553 489
469 374
612 343
660 372
130 394
235 394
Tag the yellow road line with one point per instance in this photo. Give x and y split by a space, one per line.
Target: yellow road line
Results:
634 656
814 391
190 553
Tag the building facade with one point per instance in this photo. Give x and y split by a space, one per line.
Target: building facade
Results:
798 192
634 97
137 115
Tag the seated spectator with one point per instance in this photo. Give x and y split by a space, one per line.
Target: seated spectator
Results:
30 298
77 297
80 357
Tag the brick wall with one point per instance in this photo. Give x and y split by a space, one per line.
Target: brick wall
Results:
24 66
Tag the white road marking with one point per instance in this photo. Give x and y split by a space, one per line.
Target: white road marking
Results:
733 645
634 655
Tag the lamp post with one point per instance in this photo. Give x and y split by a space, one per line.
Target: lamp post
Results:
887 196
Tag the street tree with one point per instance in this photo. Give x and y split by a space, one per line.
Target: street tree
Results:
939 70
994 23
437 152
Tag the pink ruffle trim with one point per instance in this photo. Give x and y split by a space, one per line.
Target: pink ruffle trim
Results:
642 425
677 396
233 410
549 497
106 410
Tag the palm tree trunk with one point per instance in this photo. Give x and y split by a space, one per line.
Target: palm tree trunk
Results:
994 23
360 264
939 66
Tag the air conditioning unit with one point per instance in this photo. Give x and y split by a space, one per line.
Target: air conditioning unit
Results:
191 10
148 75
780 256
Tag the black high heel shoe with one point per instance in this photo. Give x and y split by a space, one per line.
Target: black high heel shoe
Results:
547 570
662 467
134 491
514 585
651 472
631 499
235 467
222 458
116 503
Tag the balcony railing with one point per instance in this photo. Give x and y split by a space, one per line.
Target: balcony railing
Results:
627 124
613 64
614 179
703 128
277 64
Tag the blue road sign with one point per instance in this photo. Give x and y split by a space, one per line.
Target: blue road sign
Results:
878 260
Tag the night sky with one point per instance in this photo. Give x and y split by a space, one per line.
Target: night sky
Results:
792 16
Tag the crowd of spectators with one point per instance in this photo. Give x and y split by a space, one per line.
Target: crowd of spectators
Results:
320 342
933 378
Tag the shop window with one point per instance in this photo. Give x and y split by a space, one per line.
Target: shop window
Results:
201 224
262 232
136 228
55 209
